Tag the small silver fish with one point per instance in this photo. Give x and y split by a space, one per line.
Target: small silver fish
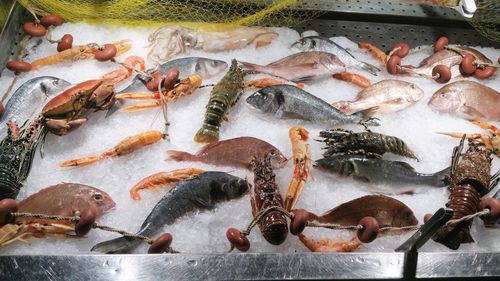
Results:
301 67
386 96
318 43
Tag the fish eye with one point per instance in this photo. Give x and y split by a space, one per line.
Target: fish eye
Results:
97 197
272 152
443 95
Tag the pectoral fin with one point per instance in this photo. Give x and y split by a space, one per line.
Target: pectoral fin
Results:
471 112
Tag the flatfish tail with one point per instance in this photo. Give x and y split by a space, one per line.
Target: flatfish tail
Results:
119 245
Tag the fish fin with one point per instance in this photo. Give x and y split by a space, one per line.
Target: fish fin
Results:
403 164
369 112
118 245
250 66
472 112
179 155
361 178
443 177
305 79
308 33
369 67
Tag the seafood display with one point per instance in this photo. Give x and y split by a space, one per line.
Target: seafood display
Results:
169 41
318 43
301 67
223 96
470 180
237 152
385 96
290 102
265 194
367 142
202 192
467 99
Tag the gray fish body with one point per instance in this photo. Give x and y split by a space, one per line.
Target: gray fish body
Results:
379 171
204 67
318 43
290 102
202 192
30 98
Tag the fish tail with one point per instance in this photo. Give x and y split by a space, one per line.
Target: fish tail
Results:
442 178
250 66
179 155
206 135
370 68
119 245
344 106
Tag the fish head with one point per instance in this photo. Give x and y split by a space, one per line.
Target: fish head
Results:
208 68
53 86
234 187
446 99
304 44
264 100
99 201
278 160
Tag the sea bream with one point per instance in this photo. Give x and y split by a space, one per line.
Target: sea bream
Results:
318 43
29 99
378 171
386 96
468 99
202 192
301 67
290 102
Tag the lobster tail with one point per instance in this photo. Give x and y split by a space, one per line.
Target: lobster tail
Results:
206 135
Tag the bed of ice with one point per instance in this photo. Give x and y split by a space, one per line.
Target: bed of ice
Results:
204 232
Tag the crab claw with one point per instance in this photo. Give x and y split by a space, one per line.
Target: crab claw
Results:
63 127
104 96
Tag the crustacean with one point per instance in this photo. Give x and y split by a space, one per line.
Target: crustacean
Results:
367 143
302 162
17 150
492 142
470 180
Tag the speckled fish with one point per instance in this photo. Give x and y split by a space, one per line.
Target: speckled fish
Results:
380 171
222 97
301 67
290 102
66 199
202 192
468 99
237 152
29 99
386 96
318 43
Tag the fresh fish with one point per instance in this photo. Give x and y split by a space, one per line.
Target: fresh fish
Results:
380 171
29 98
318 43
301 67
290 102
237 152
202 192
468 99
222 97
386 96
445 57
66 199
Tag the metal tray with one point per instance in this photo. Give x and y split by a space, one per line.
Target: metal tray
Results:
374 21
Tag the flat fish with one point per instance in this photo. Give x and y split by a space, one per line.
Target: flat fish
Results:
29 99
290 102
237 152
319 43
379 171
202 192
385 96
301 67
468 99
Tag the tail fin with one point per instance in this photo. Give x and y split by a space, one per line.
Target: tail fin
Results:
253 68
205 135
121 245
370 68
442 178
179 155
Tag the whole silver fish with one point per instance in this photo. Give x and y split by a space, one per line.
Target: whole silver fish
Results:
318 43
380 171
290 102
386 95
29 99
468 99
301 67
202 192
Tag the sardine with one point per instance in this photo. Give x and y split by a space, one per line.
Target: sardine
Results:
386 96
380 171
290 102
318 43
202 192
222 97
468 99
29 98
301 67
237 152
66 199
